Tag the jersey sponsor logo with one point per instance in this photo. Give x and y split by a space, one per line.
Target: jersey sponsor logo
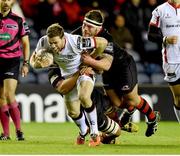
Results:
125 87
67 56
9 73
173 26
11 26
5 37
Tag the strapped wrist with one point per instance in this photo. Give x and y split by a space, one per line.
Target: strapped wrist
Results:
26 62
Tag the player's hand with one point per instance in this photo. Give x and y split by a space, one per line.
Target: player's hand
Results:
87 59
171 39
24 70
87 71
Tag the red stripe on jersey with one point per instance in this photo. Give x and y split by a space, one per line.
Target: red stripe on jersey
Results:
165 55
155 24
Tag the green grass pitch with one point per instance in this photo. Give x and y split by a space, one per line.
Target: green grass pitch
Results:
59 138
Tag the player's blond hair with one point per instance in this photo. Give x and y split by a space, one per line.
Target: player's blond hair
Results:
55 30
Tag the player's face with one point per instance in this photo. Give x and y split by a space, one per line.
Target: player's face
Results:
88 30
6 5
56 43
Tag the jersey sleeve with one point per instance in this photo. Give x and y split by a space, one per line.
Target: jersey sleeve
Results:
79 43
109 49
86 43
42 44
155 19
25 28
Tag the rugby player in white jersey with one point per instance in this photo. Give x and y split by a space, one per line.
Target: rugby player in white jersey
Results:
67 49
164 28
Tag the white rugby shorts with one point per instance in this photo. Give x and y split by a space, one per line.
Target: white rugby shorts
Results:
171 71
73 94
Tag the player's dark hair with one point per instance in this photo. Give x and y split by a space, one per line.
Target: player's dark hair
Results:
95 15
55 30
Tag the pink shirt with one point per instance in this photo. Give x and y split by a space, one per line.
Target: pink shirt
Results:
12 29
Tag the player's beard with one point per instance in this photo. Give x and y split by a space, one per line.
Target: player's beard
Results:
86 34
5 8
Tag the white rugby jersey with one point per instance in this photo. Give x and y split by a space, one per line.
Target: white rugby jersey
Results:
167 18
69 58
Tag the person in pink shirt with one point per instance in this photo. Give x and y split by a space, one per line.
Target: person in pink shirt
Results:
13 34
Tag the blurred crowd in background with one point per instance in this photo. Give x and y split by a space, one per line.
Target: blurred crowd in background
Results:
126 20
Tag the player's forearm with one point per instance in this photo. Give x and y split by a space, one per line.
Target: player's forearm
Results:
102 64
26 48
68 84
101 44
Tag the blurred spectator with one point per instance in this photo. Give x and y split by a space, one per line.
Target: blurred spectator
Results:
29 7
117 6
132 12
148 7
153 50
121 34
72 11
46 15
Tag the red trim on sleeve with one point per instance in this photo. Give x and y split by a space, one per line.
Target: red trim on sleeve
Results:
165 55
155 24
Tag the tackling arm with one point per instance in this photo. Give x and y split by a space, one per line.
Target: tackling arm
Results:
66 85
101 44
103 64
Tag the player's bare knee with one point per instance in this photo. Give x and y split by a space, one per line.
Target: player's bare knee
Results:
2 100
85 100
9 96
133 101
73 114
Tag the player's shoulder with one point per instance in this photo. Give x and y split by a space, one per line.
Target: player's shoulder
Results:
43 38
16 17
163 6
70 36
43 41
71 39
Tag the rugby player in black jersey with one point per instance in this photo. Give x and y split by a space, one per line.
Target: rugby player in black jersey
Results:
119 73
